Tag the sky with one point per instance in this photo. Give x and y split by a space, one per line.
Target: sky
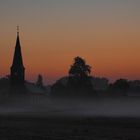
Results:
52 32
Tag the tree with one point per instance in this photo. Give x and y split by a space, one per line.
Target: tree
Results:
80 68
39 82
121 84
77 83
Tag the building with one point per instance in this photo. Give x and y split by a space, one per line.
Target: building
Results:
17 76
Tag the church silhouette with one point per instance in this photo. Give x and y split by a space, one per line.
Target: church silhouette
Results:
17 76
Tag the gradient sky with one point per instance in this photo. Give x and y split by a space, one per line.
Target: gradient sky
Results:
52 32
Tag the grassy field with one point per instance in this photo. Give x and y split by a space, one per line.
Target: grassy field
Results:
84 119
68 128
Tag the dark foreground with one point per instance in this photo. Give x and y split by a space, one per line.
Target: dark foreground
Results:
76 128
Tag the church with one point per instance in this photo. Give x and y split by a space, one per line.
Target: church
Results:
17 75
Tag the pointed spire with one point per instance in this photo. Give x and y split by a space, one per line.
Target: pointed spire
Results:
17 30
17 61
17 68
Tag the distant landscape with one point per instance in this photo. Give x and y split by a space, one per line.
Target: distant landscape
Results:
70 70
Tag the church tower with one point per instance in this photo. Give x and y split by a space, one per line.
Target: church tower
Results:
17 75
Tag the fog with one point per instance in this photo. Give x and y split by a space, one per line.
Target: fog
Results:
85 107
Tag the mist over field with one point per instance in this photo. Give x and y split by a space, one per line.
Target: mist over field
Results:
43 105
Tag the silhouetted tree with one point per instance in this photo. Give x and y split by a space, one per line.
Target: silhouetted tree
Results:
120 85
79 80
78 83
4 82
39 82
80 68
135 85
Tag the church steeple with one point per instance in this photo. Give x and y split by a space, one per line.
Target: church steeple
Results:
17 68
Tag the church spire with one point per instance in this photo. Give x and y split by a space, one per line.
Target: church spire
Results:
17 68
17 30
17 61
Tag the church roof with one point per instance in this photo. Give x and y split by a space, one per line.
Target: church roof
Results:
17 60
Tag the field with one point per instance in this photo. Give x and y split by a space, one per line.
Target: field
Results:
68 128
88 119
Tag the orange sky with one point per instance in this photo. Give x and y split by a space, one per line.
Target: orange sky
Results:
105 34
